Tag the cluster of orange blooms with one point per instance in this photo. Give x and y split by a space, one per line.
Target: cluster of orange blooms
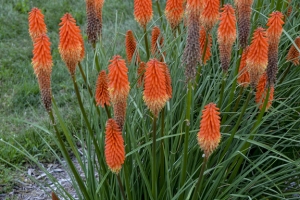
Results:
258 64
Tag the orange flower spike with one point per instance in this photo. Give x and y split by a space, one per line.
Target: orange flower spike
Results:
70 42
155 90
156 41
227 26
141 74
174 12
202 40
42 65
168 80
275 24
143 12
293 54
37 25
114 146
101 94
118 84
257 58
261 92
244 77
130 44
226 35
209 135
210 15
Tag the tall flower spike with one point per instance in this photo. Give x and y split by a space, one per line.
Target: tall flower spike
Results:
195 6
168 80
209 134
143 12
210 15
37 25
141 74
156 43
101 94
155 88
261 92
114 146
131 50
244 20
244 77
94 25
293 54
118 85
226 35
192 47
42 65
274 31
202 41
70 42
257 58
174 12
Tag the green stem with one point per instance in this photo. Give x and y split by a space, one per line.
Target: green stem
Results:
96 58
121 186
162 156
285 73
239 99
154 182
222 89
88 86
107 111
126 173
146 43
252 134
222 3
159 12
88 125
186 138
67 157
231 95
237 124
200 179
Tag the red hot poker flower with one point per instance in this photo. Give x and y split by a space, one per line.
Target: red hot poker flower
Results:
155 87
42 65
210 15
261 92
143 12
209 134
70 42
156 42
114 146
118 85
101 94
174 12
202 41
257 58
130 44
37 25
275 24
293 54
244 77
226 35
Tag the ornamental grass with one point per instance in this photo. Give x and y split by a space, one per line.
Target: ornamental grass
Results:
136 133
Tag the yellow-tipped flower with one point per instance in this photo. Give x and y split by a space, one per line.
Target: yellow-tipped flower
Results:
42 65
209 134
